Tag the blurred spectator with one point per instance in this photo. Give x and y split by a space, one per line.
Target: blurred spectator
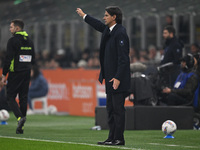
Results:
90 62
195 48
186 86
134 59
143 53
169 20
93 62
96 62
82 64
153 55
152 52
143 59
132 54
60 58
38 59
85 54
84 58
38 87
73 64
173 53
161 51
173 46
46 56
143 56
63 57
52 64
96 53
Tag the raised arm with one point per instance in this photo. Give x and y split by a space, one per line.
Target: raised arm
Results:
96 24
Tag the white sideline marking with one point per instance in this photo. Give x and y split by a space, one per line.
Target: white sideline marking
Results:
29 139
174 145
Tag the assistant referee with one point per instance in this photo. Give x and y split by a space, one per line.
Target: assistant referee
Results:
19 59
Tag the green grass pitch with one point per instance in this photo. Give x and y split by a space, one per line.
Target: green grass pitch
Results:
73 133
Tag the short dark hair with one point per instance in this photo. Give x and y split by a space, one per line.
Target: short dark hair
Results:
170 29
196 45
115 10
18 22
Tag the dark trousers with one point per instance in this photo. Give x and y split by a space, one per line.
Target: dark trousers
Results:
174 100
169 76
116 115
18 83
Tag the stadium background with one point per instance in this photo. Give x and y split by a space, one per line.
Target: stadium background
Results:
54 25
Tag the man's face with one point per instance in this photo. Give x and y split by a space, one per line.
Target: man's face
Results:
193 49
183 64
166 34
12 28
109 20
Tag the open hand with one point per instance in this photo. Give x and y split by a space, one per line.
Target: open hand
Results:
115 83
2 81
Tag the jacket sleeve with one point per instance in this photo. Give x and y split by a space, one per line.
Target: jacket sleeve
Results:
177 53
96 24
189 88
123 54
10 53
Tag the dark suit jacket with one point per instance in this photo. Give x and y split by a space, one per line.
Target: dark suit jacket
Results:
173 51
114 55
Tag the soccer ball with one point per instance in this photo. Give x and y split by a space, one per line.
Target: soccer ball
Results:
4 115
52 110
169 127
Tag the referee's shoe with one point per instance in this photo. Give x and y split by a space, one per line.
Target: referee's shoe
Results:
20 126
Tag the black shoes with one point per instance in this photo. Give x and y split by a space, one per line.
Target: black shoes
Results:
112 142
105 142
117 142
19 131
20 126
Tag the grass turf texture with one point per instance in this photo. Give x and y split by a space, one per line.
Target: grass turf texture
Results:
73 133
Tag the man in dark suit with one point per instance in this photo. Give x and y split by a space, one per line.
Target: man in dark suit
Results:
115 69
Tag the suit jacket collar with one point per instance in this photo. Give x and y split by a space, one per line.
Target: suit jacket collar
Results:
112 27
115 28
106 34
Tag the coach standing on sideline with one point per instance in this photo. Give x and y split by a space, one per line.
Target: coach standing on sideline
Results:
19 59
115 69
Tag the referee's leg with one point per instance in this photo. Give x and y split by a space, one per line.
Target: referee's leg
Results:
23 92
12 90
14 106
